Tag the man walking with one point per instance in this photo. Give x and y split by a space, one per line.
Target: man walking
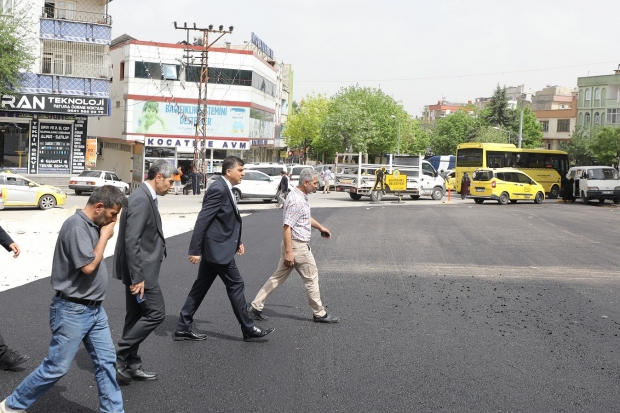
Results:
282 189
140 249
327 179
9 359
217 237
295 250
80 278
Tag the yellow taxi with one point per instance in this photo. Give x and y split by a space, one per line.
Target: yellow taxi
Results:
19 191
505 185
450 179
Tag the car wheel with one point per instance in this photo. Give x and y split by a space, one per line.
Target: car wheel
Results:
503 198
47 202
616 200
415 196
78 192
478 200
555 192
437 193
513 201
584 199
237 195
355 197
538 198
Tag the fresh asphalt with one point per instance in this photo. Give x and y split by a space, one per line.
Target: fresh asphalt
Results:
444 307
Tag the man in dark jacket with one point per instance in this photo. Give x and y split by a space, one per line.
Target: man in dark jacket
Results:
282 189
9 358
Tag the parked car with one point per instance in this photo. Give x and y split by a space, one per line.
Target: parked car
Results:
505 185
255 184
88 181
269 168
20 191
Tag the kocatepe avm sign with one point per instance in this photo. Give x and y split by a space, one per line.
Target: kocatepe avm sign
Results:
77 105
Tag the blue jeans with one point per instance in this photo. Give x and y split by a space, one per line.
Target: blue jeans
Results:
72 324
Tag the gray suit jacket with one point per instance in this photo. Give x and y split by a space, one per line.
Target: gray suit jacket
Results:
141 246
217 233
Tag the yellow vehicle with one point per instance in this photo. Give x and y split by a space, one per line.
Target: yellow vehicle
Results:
544 166
505 185
19 191
451 181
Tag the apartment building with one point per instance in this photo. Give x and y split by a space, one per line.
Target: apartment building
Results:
599 101
556 110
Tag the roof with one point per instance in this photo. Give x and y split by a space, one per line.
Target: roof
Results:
121 39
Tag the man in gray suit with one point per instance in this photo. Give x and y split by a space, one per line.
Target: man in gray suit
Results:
140 249
217 237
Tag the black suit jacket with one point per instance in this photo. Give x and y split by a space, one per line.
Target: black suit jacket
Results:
5 239
141 246
217 233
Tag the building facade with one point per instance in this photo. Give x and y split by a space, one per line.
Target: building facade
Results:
43 127
154 99
556 110
599 101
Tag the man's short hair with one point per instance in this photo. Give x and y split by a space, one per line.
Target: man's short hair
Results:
165 168
282 172
307 174
110 196
230 162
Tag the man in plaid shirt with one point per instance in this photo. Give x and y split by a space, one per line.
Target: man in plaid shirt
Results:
295 250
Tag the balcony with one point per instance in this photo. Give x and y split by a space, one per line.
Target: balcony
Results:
75 26
34 83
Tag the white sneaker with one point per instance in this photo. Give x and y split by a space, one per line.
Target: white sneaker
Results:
5 409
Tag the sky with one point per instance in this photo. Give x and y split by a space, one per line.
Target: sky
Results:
417 52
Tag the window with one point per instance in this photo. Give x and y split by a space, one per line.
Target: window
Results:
587 118
613 116
122 74
588 94
469 158
169 72
597 118
563 125
597 94
58 64
65 10
544 125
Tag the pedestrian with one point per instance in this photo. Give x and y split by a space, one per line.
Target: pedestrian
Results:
9 359
295 250
465 185
282 189
567 189
80 279
195 176
327 178
177 181
217 237
140 249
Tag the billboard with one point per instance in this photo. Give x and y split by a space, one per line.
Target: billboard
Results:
156 118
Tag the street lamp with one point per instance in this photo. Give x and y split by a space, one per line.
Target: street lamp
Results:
398 148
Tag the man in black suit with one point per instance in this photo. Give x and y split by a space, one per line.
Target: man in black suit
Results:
140 249
217 237
9 358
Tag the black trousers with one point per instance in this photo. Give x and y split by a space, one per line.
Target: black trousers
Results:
235 287
4 349
196 184
140 321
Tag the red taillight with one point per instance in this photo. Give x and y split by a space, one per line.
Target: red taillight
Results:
493 184
73 182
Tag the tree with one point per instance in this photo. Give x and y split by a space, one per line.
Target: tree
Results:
360 120
452 130
491 134
303 126
414 139
497 112
605 145
578 148
532 129
17 43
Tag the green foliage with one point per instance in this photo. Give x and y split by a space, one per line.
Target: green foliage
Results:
497 112
452 130
605 145
16 45
414 139
532 129
578 148
490 134
360 120
303 126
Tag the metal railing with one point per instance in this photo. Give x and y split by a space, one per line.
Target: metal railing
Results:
50 12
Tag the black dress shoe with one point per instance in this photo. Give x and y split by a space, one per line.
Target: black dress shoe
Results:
327 318
141 375
122 376
257 315
12 360
256 333
189 335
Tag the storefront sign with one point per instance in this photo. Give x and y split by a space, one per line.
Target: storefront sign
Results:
187 145
262 46
54 146
77 105
91 152
33 161
78 158
165 118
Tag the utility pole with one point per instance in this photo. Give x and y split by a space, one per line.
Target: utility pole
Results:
200 125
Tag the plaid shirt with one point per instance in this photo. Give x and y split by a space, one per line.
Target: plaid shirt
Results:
297 215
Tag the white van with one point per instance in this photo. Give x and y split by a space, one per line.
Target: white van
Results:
595 182
269 168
